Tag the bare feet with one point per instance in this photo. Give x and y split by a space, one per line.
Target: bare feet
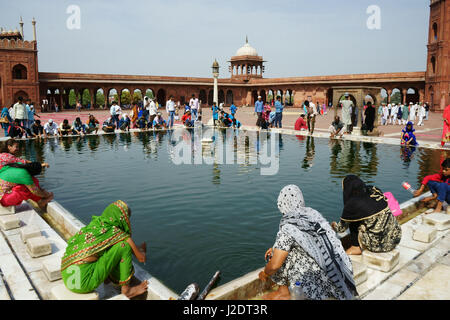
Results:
43 202
356 251
132 292
281 294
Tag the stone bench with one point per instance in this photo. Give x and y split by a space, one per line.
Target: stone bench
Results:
425 233
359 272
7 210
29 232
382 261
38 247
60 292
9 222
440 221
52 268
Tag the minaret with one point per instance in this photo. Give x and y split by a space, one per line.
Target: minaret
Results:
34 29
21 28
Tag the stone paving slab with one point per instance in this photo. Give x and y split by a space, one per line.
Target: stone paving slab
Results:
3 291
433 286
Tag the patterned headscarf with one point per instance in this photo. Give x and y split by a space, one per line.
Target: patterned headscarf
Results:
314 234
103 232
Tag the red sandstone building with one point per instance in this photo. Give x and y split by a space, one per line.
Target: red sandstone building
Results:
19 76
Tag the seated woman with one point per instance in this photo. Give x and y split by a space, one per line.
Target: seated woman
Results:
92 124
307 250
17 184
159 122
37 129
408 138
108 125
366 213
65 128
125 123
102 251
5 120
78 127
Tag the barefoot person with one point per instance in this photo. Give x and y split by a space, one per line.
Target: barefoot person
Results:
102 251
17 184
439 185
307 250
367 214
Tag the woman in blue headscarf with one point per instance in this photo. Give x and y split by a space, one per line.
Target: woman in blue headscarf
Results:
408 137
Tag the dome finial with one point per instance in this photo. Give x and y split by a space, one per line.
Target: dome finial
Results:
246 39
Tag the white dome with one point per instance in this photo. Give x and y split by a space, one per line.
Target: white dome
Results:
246 50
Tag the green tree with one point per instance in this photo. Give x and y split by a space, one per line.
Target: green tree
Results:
86 98
396 98
125 98
149 94
137 96
100 98
72 98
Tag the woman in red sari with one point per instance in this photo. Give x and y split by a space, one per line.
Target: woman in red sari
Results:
446 131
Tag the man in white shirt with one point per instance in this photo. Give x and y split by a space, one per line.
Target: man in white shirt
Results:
21 113
384 119
421 114
170 108
146 111
152 109
115 111
412 112
347 104
193 104
394 112
51 128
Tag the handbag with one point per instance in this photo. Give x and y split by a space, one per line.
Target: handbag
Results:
4 119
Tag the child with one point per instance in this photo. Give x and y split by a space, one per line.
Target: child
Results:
439 185
408 137
187 120
92 124
37 129
215 111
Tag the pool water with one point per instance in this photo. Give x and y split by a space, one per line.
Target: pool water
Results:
197 219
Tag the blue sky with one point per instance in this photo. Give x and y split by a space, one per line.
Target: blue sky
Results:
182 38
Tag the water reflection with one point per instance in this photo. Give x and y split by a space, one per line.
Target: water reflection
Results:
346 158
407 154
308 161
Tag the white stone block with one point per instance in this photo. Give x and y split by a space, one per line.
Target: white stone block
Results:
9 222
7 210
448 210
425 233
440 221
29 232
119 297
52 268
60 292
359 273
382 261
38 247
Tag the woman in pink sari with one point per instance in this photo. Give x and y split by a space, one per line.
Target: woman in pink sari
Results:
446 131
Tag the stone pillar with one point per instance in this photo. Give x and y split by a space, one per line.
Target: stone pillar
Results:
216 90
404 93
105 94
389 93
91 93
61 91
422 95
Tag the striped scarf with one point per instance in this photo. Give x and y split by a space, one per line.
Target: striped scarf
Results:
314 234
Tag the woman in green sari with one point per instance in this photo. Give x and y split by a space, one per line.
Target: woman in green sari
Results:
103 250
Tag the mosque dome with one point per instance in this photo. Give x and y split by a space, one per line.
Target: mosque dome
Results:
247 50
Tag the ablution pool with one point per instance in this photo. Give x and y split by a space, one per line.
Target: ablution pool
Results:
200 218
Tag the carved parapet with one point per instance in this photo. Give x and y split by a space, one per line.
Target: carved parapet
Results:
17 44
